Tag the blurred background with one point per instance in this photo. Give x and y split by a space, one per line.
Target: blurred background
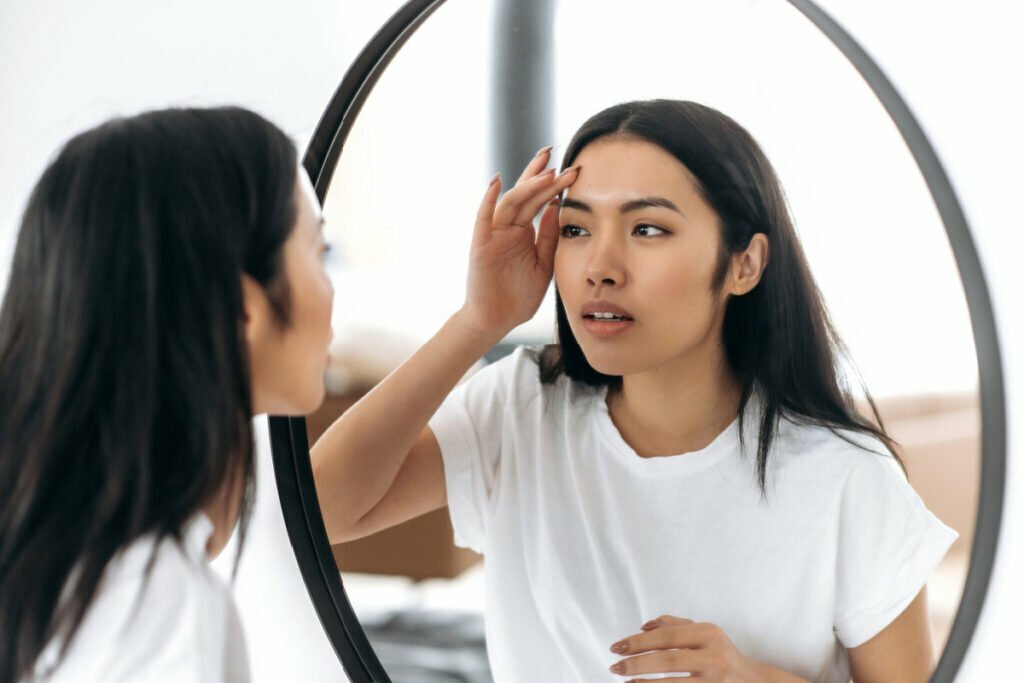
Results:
437 127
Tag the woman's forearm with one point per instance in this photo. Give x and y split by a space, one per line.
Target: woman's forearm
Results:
357 458
770 674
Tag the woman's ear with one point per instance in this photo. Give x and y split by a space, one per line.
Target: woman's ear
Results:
256 312
748 266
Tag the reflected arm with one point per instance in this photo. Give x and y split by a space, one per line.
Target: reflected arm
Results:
379 464
902 651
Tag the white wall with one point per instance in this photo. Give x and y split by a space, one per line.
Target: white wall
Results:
66 65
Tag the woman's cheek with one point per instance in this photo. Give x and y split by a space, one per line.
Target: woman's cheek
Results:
566 274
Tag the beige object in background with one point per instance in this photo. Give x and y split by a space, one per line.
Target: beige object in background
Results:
939 439
362 355
420 548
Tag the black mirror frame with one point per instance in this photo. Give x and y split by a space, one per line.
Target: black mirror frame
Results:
288 435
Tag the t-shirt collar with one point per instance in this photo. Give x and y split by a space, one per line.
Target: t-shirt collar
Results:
195 535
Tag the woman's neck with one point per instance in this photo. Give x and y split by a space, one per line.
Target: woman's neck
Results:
677 407
222 511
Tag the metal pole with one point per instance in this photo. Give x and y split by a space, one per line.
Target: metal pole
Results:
522 96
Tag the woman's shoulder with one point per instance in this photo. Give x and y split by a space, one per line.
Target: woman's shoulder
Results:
171 563
838 449
519 371
802 434
831 468
158 605
515 385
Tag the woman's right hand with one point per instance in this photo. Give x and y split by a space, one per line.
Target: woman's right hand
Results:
509 266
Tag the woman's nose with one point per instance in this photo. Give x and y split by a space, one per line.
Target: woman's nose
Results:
605 267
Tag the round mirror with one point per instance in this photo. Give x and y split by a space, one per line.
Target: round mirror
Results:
402 157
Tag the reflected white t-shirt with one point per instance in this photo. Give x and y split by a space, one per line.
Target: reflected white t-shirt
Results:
178 624
584 540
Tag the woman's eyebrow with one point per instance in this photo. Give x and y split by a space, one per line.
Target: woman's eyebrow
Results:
568 203
648 202
632 205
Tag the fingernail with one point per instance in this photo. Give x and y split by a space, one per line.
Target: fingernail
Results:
568 171
543 150
620 647
548 172
496 178
653 623
617 668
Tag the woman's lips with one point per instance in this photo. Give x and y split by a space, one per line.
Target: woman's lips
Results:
604 307
605 319
606 328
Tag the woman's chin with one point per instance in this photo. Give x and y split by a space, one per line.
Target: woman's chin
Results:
313 400
293 405
605 364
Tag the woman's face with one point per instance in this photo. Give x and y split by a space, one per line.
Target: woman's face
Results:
638 241
288 362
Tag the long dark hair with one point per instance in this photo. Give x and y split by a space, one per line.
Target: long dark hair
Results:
778 338
125 402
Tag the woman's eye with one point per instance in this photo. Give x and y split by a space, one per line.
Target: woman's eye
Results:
572 231
325 252
649 230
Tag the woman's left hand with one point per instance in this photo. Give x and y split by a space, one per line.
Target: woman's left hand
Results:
674 645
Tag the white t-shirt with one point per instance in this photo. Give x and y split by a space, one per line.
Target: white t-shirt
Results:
584 540
179 624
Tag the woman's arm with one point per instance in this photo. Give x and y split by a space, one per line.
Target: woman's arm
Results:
379 464
902 651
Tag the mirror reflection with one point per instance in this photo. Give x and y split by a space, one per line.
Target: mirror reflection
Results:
600 503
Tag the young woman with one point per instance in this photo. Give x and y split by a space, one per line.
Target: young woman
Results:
681 484
166 286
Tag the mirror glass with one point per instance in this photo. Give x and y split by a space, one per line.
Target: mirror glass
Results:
400 211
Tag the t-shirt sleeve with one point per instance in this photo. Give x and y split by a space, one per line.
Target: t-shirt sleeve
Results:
469 428
889 543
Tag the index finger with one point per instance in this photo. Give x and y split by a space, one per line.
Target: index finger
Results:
537 164
485 214
674 636
523 202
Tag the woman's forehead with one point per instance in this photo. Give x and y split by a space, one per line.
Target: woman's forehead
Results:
618 169
309 211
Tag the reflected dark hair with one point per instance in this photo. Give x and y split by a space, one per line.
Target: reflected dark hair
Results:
778 337
125 405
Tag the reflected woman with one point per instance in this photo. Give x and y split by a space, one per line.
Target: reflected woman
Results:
166 286
682 483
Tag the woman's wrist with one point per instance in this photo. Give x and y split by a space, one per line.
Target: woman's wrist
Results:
473 330
769 674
